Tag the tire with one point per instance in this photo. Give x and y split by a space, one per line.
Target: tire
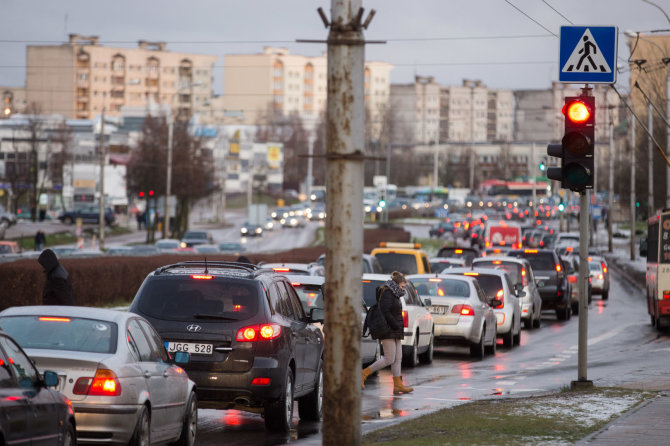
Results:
412 360
69 437
142 435
427 356
575 309
517 337
190 427
528 323
606 295
562 314
477 348
508 338
537 323
491 349
279 414
653 320
310 407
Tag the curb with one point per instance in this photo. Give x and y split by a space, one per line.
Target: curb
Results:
611 259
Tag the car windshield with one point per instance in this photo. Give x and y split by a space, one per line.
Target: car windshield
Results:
62 333
441 287
512 268
5 249
438 267
184 298
195 234
490 284
457 253
393 261
230 247
311 296
540 261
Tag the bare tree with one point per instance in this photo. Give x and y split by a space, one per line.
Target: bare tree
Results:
62 137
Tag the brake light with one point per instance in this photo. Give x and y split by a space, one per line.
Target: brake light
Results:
463 310
270 331
572 279
500 295
54 319
247 334
530 251
254 333
295 284
440 292
471 274
281 270
202 276
433 279
405 319
104 383
666 294
458 251
497 262
604 267
260 382
558 268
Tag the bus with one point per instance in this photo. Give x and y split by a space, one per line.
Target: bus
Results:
658 269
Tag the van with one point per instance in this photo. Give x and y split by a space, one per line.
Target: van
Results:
408 258
504 234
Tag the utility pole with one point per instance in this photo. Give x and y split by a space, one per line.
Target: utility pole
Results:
310 164
667 132
633 208
102 181
385 211
610 195
168 185
344 233
532 174
435 165
650 166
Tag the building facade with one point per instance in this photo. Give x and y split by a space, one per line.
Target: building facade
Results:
81 78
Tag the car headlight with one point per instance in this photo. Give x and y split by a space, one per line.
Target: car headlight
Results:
244 230
259 230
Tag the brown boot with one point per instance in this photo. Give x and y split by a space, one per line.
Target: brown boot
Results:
364 375
398 386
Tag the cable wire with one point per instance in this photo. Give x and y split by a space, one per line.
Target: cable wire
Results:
532 19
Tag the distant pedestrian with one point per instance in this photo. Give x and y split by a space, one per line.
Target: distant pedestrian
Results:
388 298
58 287
40 240
140 219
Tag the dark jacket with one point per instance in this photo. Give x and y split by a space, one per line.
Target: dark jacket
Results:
57 288
391 308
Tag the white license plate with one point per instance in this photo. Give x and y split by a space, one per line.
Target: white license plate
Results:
189 347
438 309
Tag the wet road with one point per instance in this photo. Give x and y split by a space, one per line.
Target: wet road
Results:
623 350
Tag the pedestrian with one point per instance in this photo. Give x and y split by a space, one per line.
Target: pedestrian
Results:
58 287
40 240
140 219
388 298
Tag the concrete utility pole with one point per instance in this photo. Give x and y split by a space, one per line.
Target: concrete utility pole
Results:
633 208
435 165
667 132
102 180
344 232
610 195
310 163
650 156
533 174
168 185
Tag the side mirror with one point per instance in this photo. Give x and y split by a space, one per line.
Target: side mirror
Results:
317 315
518 287
521 293
427 301
50 379
182 357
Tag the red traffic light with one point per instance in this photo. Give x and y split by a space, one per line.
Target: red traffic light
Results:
577 112
151 193
141 194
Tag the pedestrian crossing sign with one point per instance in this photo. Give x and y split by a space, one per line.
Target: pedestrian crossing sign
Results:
588 54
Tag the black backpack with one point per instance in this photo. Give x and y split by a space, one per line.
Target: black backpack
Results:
375 322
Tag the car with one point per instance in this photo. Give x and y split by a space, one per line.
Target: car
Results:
571 267
567 238
207 249
293 221
600 277
7 217
551 280
279 213
33 412
460 310
495 251
310 290
145 250
417 346
521 274
251 230
547 241
252 345
269 224
231 247
113 366
408 258
88 214
307 269
467 254
498 287
440 264
9 247
192 238
119 251
167 244
441 230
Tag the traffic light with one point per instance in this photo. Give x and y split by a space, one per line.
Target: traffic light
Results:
561 207
577 146
141 194
543 166
382 203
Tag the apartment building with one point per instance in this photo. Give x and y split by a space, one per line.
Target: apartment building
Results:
416 111
500 123
464 112
275 82
80 78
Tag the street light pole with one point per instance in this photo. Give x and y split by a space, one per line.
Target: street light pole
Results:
610 195
168 185
633 208
102 181
650 160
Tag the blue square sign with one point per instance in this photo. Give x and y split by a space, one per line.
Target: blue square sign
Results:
588 54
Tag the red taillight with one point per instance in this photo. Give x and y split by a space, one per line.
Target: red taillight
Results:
260 382
666 294
500 295
255 332
104 383
433 279
558 268
281 270
54 319
405 319
463 310
270 331
247 334
202 276
572 279
604 267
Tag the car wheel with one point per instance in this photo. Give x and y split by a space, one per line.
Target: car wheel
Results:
279 414
561 314
412 360
142 435
528 323
575 308
68 220
190 426
517 337
69 437
427 356
653 320
537 323
606 295
477 348
508 339
491 349
310 406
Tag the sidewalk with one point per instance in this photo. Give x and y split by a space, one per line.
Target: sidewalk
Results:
646 425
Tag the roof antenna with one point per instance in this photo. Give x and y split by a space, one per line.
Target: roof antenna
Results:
206 265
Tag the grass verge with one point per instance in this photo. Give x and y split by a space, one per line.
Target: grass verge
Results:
561 418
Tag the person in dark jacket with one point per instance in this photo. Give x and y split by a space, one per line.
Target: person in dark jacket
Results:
57 288
40 240
390 305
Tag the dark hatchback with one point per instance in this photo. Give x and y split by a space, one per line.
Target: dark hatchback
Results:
551 279
30 412
252 346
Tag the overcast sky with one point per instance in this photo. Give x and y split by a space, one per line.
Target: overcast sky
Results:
441 38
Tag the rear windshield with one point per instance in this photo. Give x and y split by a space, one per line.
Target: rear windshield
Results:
594 266
62 333
393 261
183 299
5 249
311 296
490 284
370 291
190 234
457 253
441 287
512 268
438 267
540 261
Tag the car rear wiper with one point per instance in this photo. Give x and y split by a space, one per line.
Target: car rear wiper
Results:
213 316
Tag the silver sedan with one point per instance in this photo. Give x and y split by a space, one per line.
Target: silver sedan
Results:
114 368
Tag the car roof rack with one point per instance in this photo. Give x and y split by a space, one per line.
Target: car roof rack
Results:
246 267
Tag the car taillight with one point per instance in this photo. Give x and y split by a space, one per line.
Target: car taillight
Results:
253 332
202 276
604 267
260 382
558 268
104 383
270 331
500 295
524 277
463 310
405 319
54 319
666 294
572 279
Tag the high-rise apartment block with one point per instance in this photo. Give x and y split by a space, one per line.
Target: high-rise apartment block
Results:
80 78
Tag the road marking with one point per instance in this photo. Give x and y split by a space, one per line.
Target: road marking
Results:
505 383
608 335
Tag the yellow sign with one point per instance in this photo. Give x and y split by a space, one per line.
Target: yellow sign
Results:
85 184
274 154
234 148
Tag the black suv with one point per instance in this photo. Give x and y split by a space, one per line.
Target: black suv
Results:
552 281
252 346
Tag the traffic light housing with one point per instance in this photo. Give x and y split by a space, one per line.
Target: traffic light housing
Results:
577 146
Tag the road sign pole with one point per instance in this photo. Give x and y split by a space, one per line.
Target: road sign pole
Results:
583 283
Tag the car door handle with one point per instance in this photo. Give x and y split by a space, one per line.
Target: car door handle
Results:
147 374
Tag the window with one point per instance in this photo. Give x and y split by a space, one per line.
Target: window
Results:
284 308
294 301
25 371
156 342
141 342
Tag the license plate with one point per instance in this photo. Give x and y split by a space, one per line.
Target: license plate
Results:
190 347
438 309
